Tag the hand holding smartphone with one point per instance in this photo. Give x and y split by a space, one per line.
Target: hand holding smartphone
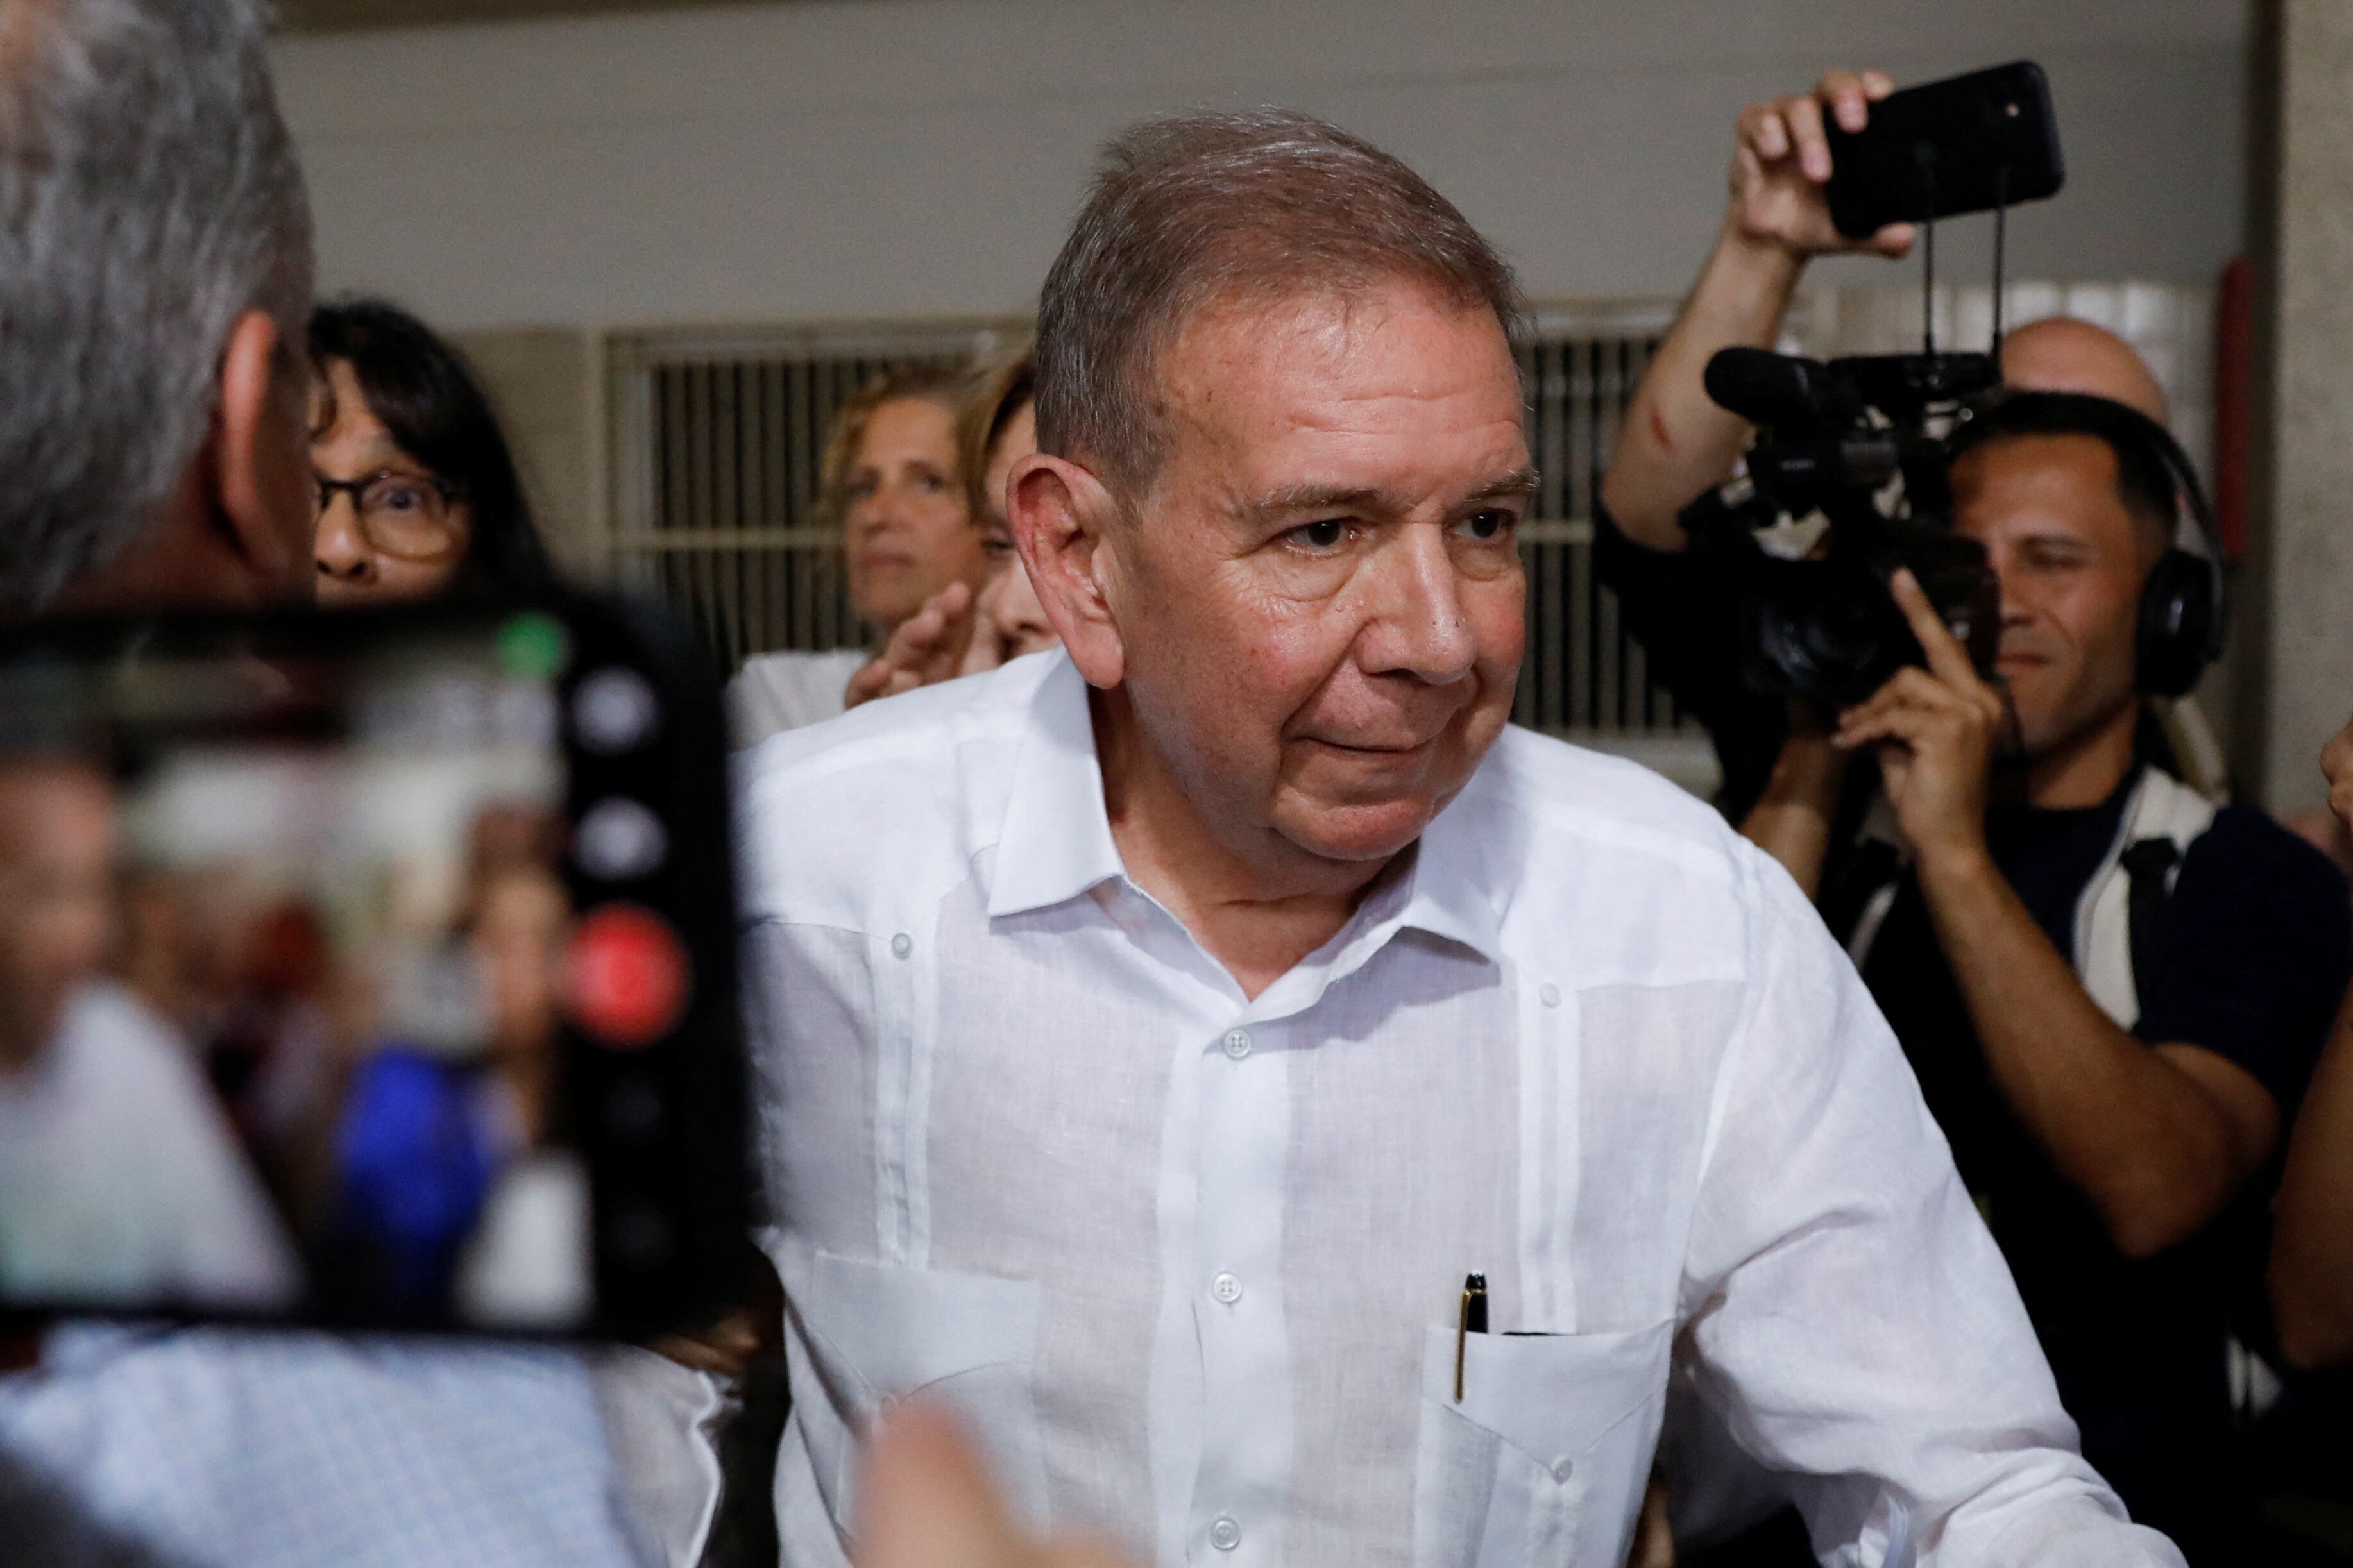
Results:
1965 144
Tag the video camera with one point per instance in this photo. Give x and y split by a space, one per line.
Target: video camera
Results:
1847 481
1845 485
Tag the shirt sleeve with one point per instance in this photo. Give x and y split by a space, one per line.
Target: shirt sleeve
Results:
1846 1313
2254 954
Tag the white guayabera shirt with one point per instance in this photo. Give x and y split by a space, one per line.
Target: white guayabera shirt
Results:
1190 1264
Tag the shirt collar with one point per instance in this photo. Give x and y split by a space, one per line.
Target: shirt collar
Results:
1056 842
1451 895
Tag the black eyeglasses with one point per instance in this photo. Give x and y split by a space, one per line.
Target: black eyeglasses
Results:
410 516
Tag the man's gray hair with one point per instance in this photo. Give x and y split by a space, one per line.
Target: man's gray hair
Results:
149 196
1249 208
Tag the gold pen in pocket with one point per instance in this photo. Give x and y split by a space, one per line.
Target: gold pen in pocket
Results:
1473 1321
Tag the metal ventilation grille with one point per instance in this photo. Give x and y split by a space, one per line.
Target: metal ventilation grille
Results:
717 444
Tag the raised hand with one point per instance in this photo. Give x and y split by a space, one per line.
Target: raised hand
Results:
928 646
1935 730
1781 161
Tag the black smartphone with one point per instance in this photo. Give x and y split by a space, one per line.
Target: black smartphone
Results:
370 969
1965 144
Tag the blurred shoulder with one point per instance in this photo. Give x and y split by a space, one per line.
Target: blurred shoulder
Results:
774 692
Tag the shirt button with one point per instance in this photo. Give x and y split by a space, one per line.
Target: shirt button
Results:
902 945
1238 1043
1225 1534
1563 1468
1226 1289
1551 994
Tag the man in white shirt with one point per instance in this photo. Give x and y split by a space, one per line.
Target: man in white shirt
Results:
1154 1034
120 1179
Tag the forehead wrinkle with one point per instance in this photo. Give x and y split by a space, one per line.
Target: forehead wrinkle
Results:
1520 481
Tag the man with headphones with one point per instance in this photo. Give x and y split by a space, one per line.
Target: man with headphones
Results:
2112 990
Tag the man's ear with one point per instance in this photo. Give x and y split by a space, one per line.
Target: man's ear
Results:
1060 514
260 467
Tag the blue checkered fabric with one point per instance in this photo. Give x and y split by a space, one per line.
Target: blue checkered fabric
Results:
211 1448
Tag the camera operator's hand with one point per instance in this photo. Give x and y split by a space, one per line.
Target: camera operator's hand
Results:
1781 161
1935 730
1675 442
928 646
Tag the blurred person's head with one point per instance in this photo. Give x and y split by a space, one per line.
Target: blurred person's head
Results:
520 917
1281 467
416 486
155 957
997 427
155 269
890 480
57 884
2073 504
2062 354
286 950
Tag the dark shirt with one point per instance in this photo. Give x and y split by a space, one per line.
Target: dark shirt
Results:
2253 952
2254 948
1684 608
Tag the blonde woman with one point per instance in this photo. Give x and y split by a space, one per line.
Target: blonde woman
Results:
959 632
892 480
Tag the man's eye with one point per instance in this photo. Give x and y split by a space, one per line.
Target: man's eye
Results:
1327 534
1488 526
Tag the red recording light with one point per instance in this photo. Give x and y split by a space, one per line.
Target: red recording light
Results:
626 975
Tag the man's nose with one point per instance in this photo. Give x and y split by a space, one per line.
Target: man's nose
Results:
1419 626
337 548
2014 603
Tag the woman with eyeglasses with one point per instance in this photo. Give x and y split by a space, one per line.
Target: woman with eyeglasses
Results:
417 490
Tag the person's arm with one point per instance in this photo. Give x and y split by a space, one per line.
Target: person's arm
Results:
1675 442
2158 1138
1845 1311
2311 1234
1791 820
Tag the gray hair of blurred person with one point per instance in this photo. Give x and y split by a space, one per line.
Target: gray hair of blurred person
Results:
149 197
1244 208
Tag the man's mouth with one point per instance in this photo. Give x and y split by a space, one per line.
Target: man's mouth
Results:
1375 748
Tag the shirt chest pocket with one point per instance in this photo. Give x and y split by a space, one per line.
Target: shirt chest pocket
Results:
1545 1459
876 1334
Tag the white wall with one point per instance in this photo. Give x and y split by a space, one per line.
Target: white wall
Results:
897 158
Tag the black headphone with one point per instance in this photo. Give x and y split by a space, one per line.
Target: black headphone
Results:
2179 629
